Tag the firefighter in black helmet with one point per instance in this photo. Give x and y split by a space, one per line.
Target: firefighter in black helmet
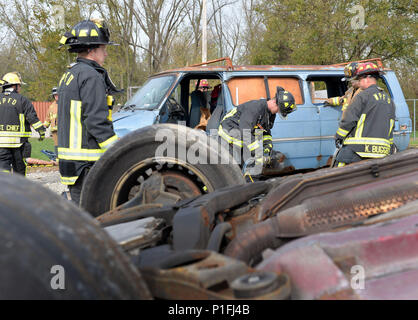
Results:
246 125
85 129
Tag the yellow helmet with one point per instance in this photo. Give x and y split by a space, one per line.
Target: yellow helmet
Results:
12 78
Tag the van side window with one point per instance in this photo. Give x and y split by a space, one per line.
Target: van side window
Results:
244 89
321 88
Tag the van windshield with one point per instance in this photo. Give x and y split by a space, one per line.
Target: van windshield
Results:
150 94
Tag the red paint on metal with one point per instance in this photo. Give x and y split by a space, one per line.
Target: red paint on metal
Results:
41 108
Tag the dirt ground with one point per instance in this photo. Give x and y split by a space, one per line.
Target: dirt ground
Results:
49 177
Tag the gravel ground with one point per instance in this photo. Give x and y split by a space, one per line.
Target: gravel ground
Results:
49 177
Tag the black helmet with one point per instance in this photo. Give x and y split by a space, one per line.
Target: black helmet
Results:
54 91
349 71
85 35
285 101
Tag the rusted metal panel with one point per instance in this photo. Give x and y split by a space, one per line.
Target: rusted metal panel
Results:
253 88
41 108
316 202
202 68
203 275
386 251
293 190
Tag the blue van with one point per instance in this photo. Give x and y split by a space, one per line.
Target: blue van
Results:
306 138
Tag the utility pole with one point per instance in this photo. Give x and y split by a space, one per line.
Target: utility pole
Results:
204 32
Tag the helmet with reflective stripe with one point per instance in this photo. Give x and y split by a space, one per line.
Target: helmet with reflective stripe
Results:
204 83
86 34
350 70
368 68
12 78
54 91
285 101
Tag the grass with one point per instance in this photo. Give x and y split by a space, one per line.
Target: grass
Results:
37 146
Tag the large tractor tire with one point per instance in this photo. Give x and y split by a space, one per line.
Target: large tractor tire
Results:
50 249
116 177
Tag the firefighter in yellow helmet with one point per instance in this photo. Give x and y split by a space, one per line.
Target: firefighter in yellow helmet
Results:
17 114
366 130
85 128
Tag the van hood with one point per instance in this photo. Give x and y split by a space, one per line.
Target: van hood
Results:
126 121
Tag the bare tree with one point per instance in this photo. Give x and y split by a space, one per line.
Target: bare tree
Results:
159 20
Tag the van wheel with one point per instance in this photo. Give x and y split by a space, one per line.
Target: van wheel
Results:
51 249
117 176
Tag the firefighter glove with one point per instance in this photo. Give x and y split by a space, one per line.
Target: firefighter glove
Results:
41 132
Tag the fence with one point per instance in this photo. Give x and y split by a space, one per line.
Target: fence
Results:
412 106
41 108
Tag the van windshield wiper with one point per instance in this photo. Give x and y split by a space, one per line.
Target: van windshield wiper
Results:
135 107
128 107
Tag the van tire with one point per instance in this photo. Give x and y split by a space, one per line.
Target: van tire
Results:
139 148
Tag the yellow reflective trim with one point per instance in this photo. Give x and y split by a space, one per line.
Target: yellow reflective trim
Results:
371 155
253 146
366 140
22 122
93 33
110 100
80 154
228 138
392 122
108 142
230 113
37 125
109 117
14 134
360 126
63 40
341 164
75 125
83 33
68 180
342 132
267 137
73 32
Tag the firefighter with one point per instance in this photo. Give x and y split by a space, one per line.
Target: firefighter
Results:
257 117
366 130
17 114
85 128
51 118
349 95
204 85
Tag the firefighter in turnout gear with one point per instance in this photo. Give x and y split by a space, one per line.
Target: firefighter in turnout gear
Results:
366 130
51 118
85 129
354 90
17 114
247 127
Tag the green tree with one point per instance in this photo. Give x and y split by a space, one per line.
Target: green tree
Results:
326 32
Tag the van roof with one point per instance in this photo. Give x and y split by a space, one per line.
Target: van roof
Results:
204 67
